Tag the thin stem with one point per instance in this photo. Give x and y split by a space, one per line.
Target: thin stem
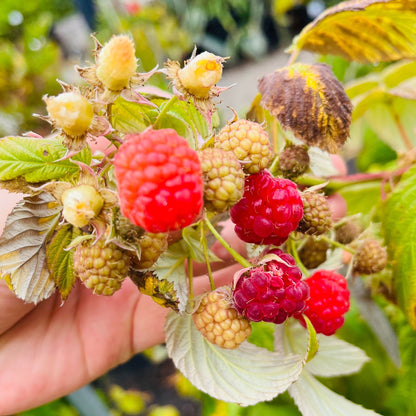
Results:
336 244
295 255
191 279
275 136
406 140
205 249
293 57
239 258
165 109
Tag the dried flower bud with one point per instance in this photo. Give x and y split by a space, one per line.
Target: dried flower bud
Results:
117 63
81 204
71 112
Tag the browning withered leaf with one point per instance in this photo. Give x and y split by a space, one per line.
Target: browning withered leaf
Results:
309 101
23 247
365 31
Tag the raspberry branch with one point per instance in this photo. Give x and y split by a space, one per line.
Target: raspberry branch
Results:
206 256
337 244
239 258
291 247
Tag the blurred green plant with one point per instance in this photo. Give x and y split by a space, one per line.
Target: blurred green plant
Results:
29 60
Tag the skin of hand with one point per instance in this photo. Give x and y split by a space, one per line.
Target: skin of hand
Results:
52 349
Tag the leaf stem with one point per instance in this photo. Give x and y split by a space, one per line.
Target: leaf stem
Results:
238 257
293 57
191 279
406 140
164 111
205 250
294 253
337 244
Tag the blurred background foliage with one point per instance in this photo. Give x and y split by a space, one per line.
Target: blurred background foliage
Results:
35 51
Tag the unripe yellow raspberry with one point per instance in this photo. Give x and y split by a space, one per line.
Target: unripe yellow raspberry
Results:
151 246
117 63
219 322
200 74
70 111
249 142
81 204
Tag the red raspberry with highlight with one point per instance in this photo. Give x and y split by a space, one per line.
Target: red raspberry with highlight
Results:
329 301
159 180
271 292
269 211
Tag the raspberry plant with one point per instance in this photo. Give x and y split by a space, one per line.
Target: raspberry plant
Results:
150 204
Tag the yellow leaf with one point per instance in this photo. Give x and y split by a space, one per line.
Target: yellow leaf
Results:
309 101
365 31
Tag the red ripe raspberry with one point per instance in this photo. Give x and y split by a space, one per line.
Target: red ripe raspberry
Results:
329 301
159 180
272 291
269 211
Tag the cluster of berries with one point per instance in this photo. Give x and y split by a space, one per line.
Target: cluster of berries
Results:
165 185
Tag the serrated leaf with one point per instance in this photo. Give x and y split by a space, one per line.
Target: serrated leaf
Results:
335 357
60 260
365 31
131 117
399 226
36 159
246 375
309 101
23 247
314 399
171 266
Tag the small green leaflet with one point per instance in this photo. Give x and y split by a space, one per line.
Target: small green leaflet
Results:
246 375
23 247
399 228
60 260
36 160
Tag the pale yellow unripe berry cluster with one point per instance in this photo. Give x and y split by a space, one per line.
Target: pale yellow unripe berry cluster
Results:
117 63
219 322
81 204
200 74
71 112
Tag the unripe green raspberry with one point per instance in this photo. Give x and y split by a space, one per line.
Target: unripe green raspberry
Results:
219 322
294 161
81 204
347 232
370 257
101 267
317 216
223 179
313 252
117 63
249 142
71 112
151 247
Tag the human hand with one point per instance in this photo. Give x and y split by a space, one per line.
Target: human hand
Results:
50 350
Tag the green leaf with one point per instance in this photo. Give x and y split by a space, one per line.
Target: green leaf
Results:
61 261
314 399
353 195
399 226
130 117
23 247
36 159
365 31
171 266
313 343
246 375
